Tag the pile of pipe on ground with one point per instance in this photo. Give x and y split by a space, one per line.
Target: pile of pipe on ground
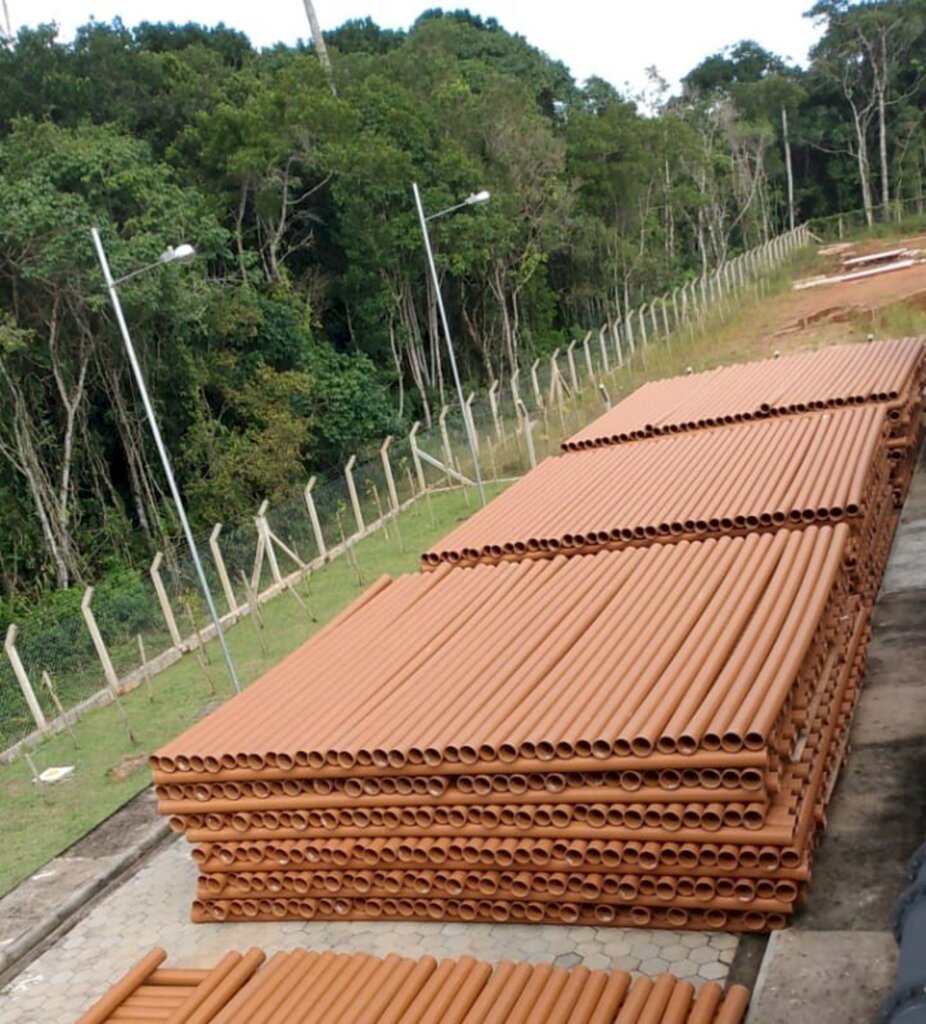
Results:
641 735
888 373
303 987
822 467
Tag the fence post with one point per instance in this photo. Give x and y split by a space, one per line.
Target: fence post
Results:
665 315
628 331
554 377
641 320
528 428
590 369
97 637
166 610
9 645
653 320
605 394
221 570
263 531
313 516
570 356
416 458
387 472
355 502
604 349
675 316
535 384
493 405
471 423
616 339
445 439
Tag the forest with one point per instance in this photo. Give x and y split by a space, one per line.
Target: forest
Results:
306 329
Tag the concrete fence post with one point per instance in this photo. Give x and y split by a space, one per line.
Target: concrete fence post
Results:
352 490
227 588
641 322
616 339
96 636
263 532
653 321
416 458
535 384
468 412
35 709
528 430
675 312
387 472
628 332
665 315
493 405
313 518
571 359
155 573
590 369
602 345
555 388
445 438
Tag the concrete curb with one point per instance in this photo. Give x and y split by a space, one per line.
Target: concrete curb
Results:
24 944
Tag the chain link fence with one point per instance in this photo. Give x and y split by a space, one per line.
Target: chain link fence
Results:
516 423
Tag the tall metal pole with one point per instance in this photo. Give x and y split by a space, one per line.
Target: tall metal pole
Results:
450 352
162 451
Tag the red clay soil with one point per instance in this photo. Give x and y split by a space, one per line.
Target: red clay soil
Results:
794 311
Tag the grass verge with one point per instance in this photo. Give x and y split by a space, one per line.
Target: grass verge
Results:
110 769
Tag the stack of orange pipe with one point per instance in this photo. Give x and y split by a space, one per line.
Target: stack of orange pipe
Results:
303 987
890 373
642 725
817 468
150 992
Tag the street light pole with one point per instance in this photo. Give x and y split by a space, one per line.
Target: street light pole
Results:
443 316
182 252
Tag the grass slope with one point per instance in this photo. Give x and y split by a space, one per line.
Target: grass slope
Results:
36 830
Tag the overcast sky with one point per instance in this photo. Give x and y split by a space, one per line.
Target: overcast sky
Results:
614 39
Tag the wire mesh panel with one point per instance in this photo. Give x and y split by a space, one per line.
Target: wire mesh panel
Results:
15 719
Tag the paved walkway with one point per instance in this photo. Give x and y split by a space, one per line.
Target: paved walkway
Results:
152 909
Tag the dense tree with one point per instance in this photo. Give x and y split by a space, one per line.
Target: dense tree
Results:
308 328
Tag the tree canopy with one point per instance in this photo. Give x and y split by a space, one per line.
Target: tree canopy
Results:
307 329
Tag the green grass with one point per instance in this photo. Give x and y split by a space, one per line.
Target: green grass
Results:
40 824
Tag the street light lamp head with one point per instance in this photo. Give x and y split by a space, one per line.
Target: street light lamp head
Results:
178 254
478 197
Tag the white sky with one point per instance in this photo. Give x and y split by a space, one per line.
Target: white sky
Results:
614 39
